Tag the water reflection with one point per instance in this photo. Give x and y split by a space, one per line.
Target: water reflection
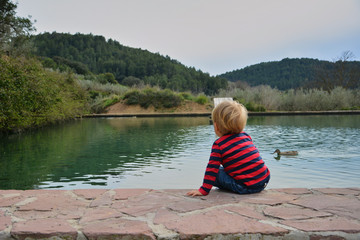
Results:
173 152
88 152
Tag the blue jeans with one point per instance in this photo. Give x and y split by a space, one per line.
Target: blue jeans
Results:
224 181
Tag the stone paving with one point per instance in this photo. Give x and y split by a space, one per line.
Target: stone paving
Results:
293 213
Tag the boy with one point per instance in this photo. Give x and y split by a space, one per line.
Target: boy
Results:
235 163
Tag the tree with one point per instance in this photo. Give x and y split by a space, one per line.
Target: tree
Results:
342 73
131 81
14 31
346 74
107 78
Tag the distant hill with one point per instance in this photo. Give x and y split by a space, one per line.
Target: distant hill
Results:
285 74
89 53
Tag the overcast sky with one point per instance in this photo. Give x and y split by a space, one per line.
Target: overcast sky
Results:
211 35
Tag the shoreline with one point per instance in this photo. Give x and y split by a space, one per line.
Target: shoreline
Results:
208 114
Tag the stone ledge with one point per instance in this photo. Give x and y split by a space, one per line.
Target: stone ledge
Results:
294 213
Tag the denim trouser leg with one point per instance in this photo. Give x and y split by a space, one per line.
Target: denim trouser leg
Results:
224 181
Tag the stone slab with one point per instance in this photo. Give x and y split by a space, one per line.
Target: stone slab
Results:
340 191
287 213
123 194
5 221
118 228
269 198
104 199
97 214
6 192
219 222
293 212
188 205
9 201
224 197
347 206
299 191
324 224
43 228
247 211
164 215
30 215
89 194
53 201
137 211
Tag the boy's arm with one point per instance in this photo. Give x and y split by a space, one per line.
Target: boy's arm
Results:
212 170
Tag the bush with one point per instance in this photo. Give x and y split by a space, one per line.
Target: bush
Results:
111 100
105 78
132 81
253 107
150 96
100 103
107 88
132 97
186 96
31 96
201 99
169 99
101 95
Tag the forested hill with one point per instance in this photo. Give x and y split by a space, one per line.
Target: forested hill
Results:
284 74
89 53
287 73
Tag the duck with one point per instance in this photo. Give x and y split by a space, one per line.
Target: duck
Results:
288 153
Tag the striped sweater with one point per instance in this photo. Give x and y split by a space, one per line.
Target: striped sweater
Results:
240 159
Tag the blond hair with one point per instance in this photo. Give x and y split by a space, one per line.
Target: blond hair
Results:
230 117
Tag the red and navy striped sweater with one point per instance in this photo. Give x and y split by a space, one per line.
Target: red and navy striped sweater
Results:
240 159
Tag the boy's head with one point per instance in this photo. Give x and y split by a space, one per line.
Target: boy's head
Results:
229 117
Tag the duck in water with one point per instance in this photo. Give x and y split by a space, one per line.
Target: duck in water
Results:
288 153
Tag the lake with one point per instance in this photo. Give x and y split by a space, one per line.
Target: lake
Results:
162 153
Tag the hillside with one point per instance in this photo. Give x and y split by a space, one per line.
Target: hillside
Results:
292 73
94 54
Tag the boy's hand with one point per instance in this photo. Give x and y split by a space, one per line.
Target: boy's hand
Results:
194 193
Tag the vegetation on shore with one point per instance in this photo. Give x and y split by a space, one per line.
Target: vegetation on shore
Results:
31 96
102 96
264 98
72 75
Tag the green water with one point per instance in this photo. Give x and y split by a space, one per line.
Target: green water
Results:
173 152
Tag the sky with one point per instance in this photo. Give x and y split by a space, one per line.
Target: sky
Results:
211 35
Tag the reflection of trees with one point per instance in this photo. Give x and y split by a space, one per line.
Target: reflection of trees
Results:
144 135
28 158
75 151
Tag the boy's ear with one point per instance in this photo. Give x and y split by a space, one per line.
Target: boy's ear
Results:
216 128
